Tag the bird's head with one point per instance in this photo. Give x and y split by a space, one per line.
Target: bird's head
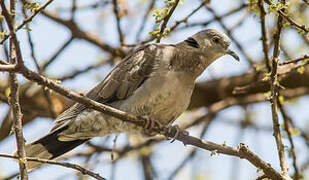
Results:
212 44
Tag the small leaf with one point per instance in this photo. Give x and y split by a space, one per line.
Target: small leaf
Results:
213 152
153 32
305 62
267 94
267 74
27 28
259 170
57 81
2 34
301 69
301 32
7 92
32 6
22 160
281 99
286 24
295 132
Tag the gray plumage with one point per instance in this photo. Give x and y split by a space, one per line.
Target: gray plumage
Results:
156 80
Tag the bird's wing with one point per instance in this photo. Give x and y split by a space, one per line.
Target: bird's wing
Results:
120 83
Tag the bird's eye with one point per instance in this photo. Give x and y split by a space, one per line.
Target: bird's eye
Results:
216 39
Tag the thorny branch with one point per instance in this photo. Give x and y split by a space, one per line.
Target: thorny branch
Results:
274 97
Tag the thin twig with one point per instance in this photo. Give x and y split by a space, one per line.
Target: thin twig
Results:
231 12
39 69
58 52
87 69
193 152
184 20
288 129
29 19
9 67
264 34
148 169
294 61
77 32
63 164
291 21
286 17
229 33
119 30
73 10
165 20
274 97
3 62
14 89
140 30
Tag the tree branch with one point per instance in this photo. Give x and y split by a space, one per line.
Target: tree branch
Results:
63 164
14 89
165 20
29 19
274 97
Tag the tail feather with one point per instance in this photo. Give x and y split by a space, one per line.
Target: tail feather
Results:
49 147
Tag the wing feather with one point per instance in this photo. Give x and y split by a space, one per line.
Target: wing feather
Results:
119 84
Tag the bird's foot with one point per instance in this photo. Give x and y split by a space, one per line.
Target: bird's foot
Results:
178 130
151 124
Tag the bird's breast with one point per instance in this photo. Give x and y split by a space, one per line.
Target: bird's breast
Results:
161 97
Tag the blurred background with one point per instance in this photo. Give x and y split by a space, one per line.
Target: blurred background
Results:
77 42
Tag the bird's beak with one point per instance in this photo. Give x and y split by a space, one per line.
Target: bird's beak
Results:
233 54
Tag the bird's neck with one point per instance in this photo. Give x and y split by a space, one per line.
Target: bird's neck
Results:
190 60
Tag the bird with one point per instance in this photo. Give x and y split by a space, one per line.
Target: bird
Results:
154 81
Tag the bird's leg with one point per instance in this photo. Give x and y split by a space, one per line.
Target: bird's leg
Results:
178 130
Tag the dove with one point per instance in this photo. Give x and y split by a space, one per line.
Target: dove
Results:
154 81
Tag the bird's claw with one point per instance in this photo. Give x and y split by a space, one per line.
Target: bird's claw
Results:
178 130
151 124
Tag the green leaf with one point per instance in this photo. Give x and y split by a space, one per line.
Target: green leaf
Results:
295 132
305 62
32 5
7 92
259 170
213 152
267 74
2 34
153 32
267 94
27 28
301 69
286 24
281 99
301 32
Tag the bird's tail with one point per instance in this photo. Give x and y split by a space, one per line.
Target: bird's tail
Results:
49 147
